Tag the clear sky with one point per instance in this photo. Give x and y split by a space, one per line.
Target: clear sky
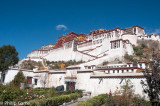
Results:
29 24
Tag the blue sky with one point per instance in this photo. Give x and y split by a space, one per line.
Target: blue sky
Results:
29 24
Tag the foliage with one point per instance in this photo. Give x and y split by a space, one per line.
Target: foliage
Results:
52 92
119 62
143 46
57 64
19 78
55 101
151 44
30 65
152 84
135 49
69 92
139 52
95 101
127 90
9 93
27 95
12 93
8 57
126 97
120 100
105 63
130 58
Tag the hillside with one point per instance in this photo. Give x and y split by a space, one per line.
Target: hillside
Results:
144 51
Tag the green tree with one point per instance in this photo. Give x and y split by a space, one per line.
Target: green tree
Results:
8 57
19 78
151 85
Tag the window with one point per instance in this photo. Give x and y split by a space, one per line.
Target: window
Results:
94 42
117 71
29 80
134 30
122 71
140 65
127 70
97 41
35 81
113 71
100 40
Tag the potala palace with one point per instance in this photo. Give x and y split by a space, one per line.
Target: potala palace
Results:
93 49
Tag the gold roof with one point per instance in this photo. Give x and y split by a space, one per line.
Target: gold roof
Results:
101 29
139 70
150 69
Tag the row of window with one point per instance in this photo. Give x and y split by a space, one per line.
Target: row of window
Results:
99 36
118 71
116 66
103 35
97 41
115 44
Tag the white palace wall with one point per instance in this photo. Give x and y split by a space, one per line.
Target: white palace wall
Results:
56 79
87 80
104 85
131 38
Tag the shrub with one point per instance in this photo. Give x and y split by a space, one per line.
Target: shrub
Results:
9 93
74 96
105 63
135 49
52 92
139 52
19 78
95 101
129 57
56 101
143 46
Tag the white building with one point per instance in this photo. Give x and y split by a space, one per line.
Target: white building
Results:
94 48
93 79
98 46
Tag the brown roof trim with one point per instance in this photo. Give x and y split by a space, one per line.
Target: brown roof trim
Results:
70 77
140 76
84 71
118 68
128 34
73 68
41 72
117 40
56 72
135 26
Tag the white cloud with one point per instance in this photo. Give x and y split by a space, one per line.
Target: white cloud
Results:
61 27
